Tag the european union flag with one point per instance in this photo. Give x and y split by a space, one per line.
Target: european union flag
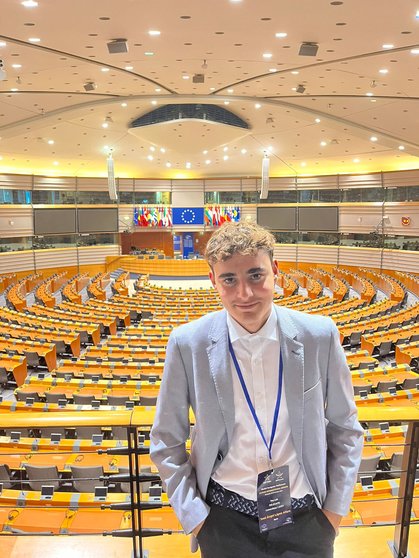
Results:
188 216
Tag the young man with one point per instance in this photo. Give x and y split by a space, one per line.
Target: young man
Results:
276 443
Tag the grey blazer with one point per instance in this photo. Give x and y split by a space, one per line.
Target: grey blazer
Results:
327 436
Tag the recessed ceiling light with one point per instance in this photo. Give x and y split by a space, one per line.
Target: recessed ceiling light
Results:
55 163
129 67
317 120
225 148
323 143
417 14
2 43
293 89
355 160
104 69
162 150
225 157
243 151
414 51
16 66
388 46
205 151
188 165
235 1
230 90
369 94
14 89
185 77
30 4
149 53
303 164
152 148
51 142
257 106
273 70
267 55
295 72
150 157
157 90
373 138
226 102
34 40
124 105
154 33
401 147
212 88
207 161
383 71
280 35
154 102
168 165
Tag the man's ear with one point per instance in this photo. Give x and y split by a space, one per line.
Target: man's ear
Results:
212 278
275 267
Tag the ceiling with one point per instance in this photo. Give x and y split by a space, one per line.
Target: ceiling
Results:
354 88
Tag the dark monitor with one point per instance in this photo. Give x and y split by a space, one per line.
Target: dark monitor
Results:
384 426
363 394
155 492
392 390
394 364
95 379
95 404
152 379
370 366
123 379
97 439
417 387
67 377
29 401
141 439
1 399
47 492
366 483
15 436
62 403
1 488
101 493
41 375
129 404
56 437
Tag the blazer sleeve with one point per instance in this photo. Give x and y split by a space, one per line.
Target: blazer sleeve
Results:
168 437
343 431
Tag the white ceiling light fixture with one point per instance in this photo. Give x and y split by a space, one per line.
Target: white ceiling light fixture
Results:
373 138
29 4
124 105
34 40
317 120
188 165
243 151
273 70
267 55
257 105
208 161
148 53
401 147
414 51
383 71
104 70
281 35
16 66
264 186
225 158
154 33
129 68
323 143
388 46
3 43
168 165
108 120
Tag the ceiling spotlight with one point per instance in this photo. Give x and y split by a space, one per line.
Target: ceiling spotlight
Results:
90 86
204 65
300 89
108 120
3 74
308 49
29 3
117 46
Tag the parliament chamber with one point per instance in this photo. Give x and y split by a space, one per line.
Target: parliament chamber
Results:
128 134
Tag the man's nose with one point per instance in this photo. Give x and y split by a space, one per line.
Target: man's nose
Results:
244 290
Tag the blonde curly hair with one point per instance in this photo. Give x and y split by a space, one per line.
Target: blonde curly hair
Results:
238 238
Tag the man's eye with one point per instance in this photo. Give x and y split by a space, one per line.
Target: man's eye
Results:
229 281
256 276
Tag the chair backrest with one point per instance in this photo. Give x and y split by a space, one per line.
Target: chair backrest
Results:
86 432
47 431
23 395
119 433
384 386
148 400
5 475
410 383
39 475
117 399
384 348
144 486
54 397
86 478
359 388
81 399
368 466
3 376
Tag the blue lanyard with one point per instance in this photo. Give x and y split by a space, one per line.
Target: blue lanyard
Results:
249 401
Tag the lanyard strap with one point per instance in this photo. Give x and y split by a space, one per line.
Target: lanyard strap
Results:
249 401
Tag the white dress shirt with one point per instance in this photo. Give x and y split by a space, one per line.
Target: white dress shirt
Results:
258 358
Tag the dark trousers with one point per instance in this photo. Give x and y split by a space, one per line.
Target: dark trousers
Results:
230 534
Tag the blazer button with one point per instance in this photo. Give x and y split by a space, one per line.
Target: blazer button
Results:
219 456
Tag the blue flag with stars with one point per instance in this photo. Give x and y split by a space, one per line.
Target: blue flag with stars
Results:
188 216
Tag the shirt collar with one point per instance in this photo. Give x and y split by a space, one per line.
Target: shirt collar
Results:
269 330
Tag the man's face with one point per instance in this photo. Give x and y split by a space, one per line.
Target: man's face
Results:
245 284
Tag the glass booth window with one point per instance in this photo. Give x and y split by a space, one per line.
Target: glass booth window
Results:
46 242
53 197
325 238
17 197
319 196
286 237
158 198
362 195
96 239
15 244
280 196
91 198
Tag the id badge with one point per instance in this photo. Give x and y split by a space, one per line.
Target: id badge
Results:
274 499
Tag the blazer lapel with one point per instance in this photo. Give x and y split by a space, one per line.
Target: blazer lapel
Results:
293 359
219 364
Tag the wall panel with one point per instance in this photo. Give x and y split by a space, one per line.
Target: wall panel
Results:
16 220
96 254
13 262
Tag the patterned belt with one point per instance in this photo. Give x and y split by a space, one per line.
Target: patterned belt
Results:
220 496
